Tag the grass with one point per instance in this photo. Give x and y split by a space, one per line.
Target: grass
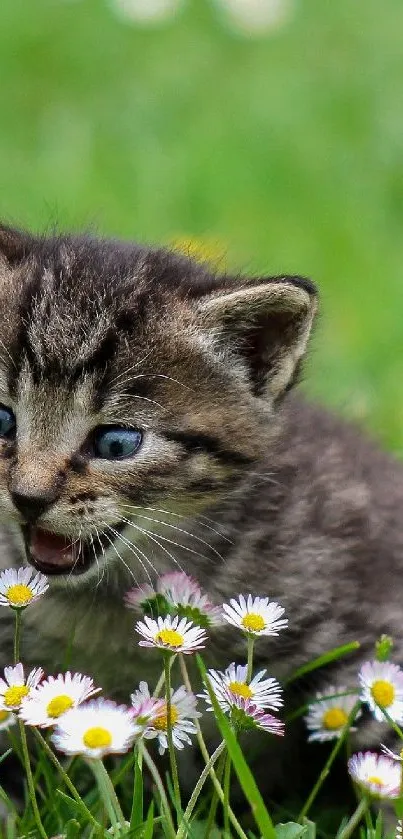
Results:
286 150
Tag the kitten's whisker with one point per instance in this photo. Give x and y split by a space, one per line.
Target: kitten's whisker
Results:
133 367
154 539
180 516
165 539
181 530
112 544
8 354
133 549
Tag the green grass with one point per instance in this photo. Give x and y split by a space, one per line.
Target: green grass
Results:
288 150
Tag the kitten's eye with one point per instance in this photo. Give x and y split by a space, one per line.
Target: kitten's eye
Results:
7 422
116 443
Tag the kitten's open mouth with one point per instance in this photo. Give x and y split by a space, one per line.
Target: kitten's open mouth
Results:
53 553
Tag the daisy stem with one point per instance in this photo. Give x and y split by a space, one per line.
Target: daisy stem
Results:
326 769
197 790
352 823
227 779
392 722
251 644
214 799
17 635
69 784
204 750
160 786
30 781
171 749
161 680
108 793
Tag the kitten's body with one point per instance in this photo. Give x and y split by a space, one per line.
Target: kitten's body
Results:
269 495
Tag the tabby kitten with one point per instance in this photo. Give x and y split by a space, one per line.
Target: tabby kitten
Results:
145 423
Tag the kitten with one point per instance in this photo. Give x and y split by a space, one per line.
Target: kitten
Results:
146 423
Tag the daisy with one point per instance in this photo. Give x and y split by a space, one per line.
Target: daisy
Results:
245 716
19 587
15 687
95 729
263 694
144 706
327 717
377 774
140 598
382 688
255 615
54 697
183 712
171 634
186 596
7 719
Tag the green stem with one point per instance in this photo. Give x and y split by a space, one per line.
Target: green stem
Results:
214 799
160 786
204 750
352 823
17 635
69 784
326 769
161 680
227 779
171 748
30 781
197 790
108 793
251 644
391 722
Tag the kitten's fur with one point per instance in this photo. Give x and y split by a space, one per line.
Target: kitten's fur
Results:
269 495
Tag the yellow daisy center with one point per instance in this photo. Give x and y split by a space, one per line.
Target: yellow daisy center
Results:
334 718
13 695
373 779
240 689
59 705
19 595
161 722
383 693
170 637
97 738
253 622
4 715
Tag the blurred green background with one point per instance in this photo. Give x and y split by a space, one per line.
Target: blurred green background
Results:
286 149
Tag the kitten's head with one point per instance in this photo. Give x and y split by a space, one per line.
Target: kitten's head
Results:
131 379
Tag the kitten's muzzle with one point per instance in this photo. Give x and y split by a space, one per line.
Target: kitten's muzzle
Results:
32 505
54 553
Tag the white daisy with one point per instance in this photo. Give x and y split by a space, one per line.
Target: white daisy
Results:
20 586
145 707
263 694
146 11
256 17
95 729
246 716
255 615
327 717
54 697
15 687
7 719
382 688
377 774
171 634
183 712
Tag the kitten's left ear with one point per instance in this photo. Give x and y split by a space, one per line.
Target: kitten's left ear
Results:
267 322
14 244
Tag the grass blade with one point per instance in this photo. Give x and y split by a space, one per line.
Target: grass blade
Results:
322 660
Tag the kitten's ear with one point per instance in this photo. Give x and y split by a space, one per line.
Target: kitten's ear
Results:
14 244
267 322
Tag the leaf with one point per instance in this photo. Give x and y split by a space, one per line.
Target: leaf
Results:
149 825
291 830
245 776
322 660
72 829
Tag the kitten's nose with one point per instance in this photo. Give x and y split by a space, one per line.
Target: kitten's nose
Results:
32 504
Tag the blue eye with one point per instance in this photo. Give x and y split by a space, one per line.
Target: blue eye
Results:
7 422
116 443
